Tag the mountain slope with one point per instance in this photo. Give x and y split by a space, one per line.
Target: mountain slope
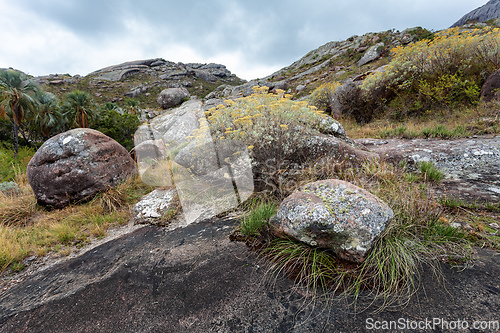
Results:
142 80
489 11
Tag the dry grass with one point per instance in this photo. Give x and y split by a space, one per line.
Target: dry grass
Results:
463 122
27 229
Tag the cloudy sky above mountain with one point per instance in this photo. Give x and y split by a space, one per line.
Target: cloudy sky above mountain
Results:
252 38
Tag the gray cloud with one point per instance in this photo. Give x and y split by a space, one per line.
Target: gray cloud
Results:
262 33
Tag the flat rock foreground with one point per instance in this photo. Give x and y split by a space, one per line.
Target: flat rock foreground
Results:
194 279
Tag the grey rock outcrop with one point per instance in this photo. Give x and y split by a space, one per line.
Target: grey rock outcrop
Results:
154 206
336 215
489 11
470 166
179 123
371 54
171 97
76 164
491 87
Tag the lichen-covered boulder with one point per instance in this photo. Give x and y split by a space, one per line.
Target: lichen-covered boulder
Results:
76 164
336 215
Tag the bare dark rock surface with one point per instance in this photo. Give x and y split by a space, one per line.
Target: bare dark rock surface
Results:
195 280
471 166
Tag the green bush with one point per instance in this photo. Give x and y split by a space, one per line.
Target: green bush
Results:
9 165
120 127
323 96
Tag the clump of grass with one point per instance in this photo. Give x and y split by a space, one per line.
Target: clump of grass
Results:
312 267
17 210
430 172
257 218
112 199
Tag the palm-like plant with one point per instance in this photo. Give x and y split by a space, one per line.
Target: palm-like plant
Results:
48 119
16 100
79 107
133 105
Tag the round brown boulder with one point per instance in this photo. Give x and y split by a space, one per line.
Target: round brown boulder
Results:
76 164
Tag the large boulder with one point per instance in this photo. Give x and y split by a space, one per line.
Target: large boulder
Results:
335 215
171 97
491 87
176 125
76 164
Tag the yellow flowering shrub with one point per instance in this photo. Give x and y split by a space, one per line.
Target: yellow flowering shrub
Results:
447 70
323 96
272 126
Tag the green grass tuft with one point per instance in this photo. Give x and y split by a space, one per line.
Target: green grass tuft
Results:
430 172
257 218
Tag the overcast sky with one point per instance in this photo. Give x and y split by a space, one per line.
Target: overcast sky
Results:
253 38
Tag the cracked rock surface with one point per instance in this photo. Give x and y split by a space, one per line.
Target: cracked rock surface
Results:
471 166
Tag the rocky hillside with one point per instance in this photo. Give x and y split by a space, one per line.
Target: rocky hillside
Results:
334 61
142 80
490 11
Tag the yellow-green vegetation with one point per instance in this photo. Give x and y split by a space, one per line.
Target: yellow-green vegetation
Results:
322 97
263 116
256 219
27 229
444 72
420 233
272 126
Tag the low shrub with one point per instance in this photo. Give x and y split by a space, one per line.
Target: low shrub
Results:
273 128
120 127
323 97
444 72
